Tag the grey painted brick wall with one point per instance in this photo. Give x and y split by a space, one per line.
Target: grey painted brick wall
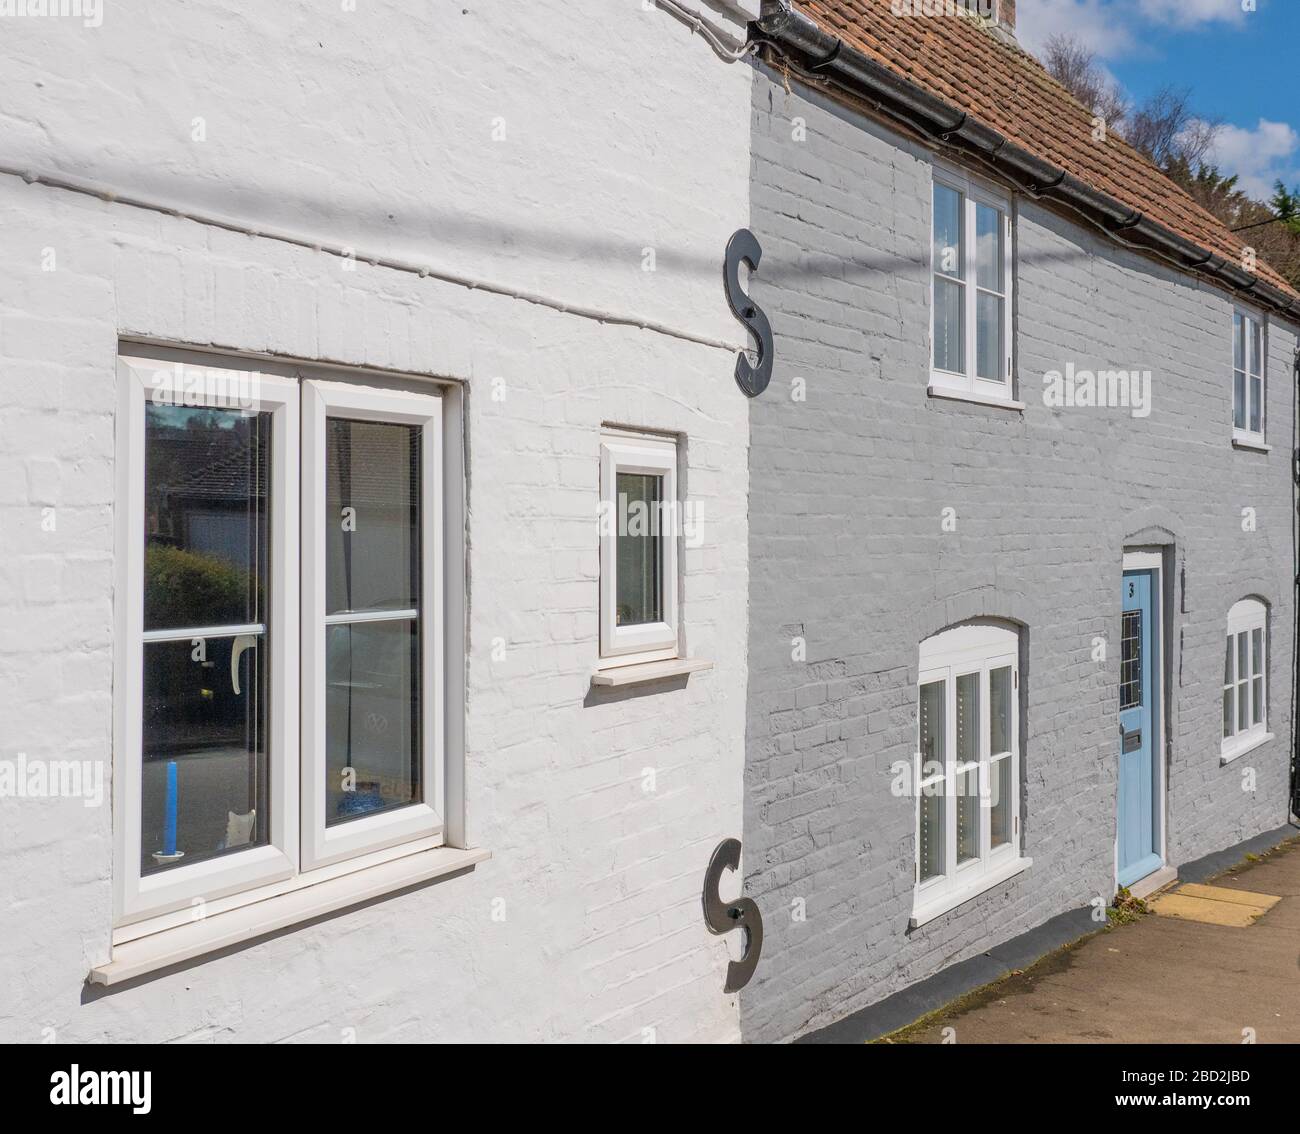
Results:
847 552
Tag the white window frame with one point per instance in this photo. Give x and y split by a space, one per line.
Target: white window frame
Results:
147 908
950 382
321 844
626 452
976 648
1246 616
136 894
1249 322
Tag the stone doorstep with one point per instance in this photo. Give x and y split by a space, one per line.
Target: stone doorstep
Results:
1214 905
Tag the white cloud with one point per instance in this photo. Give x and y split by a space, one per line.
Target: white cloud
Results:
1191 13
1113 28
1260 156
1100 24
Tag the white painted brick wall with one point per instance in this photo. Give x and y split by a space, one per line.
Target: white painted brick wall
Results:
374 128
847 551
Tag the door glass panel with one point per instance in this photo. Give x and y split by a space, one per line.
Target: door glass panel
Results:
205 494
1000 803
1130 665
639 549
204 777
372 516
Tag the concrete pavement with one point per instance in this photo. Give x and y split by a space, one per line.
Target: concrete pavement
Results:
1161 979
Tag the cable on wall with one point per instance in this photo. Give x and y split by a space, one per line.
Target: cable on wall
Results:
424 271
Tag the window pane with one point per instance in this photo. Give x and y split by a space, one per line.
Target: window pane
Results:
1243 660
968 811
968 695
372 516
930 837
372 718
1257 701
204 783
1238 343
1256 348
1243 706
989 354
932 728
949 257
639 549
988 248
1000 710
1239 400
949 326
1227 711
1130 660
1256 652
930 854
205 491
1000 803
1256 404
1228 676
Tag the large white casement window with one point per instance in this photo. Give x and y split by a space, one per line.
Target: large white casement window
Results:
970 289
968 766
1248 346
1245 673
280 705
638 548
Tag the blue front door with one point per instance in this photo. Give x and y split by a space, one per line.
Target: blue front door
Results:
1139 720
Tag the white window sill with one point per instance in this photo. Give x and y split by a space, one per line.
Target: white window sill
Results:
1254 444
649 671
951 900
1248 743
975 396
233 927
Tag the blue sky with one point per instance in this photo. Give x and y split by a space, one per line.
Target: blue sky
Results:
1241 66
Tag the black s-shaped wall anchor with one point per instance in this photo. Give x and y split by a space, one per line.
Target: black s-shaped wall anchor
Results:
752 380
724 917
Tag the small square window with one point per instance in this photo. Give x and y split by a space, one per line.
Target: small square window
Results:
638 548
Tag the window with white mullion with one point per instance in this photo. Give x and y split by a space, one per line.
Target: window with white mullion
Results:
207 491
1245 659
372 662
970 281
967 764
1247 376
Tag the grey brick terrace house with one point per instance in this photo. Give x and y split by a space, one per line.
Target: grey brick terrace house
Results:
1021 607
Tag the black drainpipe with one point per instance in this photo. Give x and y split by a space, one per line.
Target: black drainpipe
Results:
1295 638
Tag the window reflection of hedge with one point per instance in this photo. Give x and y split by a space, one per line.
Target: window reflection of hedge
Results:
184 588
